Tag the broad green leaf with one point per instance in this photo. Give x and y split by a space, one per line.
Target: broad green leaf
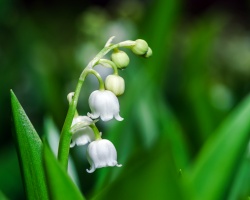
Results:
148 175
61 187
221 155
29 147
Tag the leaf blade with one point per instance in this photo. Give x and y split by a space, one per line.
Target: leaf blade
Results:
29 147
2 196
58 180
220 155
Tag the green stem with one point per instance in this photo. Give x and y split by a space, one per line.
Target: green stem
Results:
101 84
103 52
104 62
96 132
65 137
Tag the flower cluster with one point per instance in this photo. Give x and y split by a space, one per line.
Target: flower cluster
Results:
104 104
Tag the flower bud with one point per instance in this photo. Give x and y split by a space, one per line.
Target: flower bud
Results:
140 47
115 84
120 58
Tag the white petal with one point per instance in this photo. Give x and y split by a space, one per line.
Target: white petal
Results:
83 140
106 117
72 144
82 136
118 117
91 170
93 115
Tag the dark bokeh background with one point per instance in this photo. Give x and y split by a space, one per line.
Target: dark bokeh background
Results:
44 45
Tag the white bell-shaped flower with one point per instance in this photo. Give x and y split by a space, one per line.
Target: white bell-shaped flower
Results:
104 104
101 153
82 133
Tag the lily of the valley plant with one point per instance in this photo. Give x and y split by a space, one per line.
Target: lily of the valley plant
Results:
103 103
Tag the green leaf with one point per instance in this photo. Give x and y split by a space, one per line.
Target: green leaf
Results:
221 155
148 175
2 196
61 187
171 131
161 38
196 58
240 188
29 147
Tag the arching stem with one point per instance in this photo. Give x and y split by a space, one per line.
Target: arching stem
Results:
65 137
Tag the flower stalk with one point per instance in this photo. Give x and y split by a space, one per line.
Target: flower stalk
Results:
96 132
65 137
66 133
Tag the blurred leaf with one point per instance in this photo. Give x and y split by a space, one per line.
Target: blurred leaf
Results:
61 187
2 196
200 41
220 156
151 178
53 136
159 29
240 188
149 126
45 75
29 147
172 132
159 123
10 177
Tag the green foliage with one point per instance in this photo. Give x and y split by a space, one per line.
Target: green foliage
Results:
58 180
240 188
221 155
2 196
171 121
29 147
32 153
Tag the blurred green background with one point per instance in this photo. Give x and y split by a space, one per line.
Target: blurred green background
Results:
174 101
